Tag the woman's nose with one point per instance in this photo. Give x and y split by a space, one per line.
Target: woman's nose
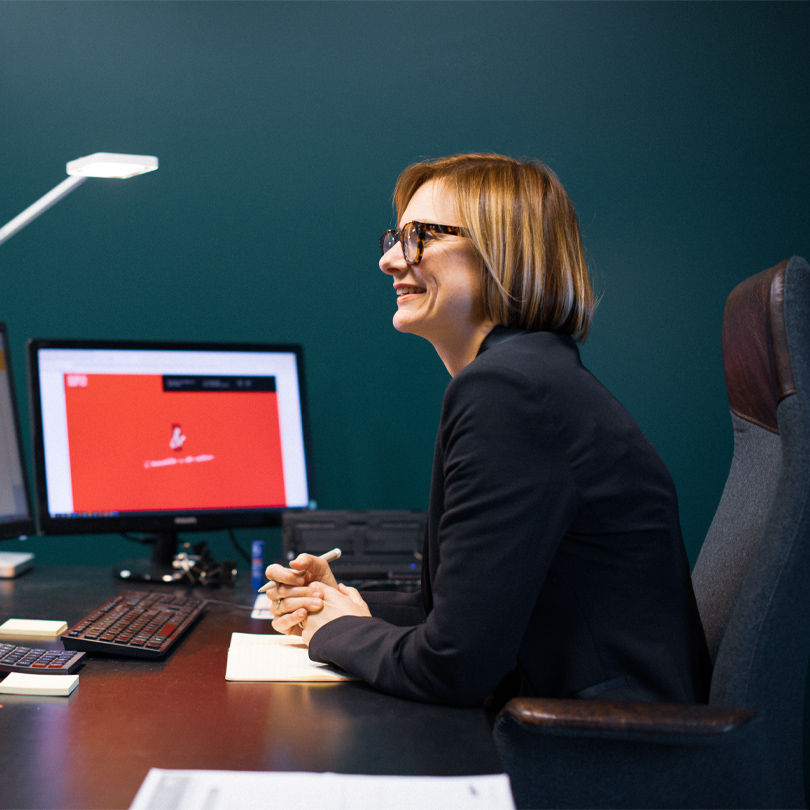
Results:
393 260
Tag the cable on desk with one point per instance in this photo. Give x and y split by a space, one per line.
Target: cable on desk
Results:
234 542
207 602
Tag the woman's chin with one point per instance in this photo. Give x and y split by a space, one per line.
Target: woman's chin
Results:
402 323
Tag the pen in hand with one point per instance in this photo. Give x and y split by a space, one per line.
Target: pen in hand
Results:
328 557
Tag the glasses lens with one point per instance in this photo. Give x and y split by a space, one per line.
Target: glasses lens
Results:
387 241
410 242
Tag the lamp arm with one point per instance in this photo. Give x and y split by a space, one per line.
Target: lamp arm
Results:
40 206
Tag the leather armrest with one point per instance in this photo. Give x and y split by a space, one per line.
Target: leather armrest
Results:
656 718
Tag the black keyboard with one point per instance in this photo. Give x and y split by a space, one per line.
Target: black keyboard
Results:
138 624
42 662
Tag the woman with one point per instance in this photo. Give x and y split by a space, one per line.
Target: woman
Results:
553 562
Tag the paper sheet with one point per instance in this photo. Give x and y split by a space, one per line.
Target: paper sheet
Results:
261 608
265 657
253 790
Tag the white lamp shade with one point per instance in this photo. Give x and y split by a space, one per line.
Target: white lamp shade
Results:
101 164
109 164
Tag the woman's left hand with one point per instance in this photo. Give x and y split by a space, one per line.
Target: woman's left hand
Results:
340 601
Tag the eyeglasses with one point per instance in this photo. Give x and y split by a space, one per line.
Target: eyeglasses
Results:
412 238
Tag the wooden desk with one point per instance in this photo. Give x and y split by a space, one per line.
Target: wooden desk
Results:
93 749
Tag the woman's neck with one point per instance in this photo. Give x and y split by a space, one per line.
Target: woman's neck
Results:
457 351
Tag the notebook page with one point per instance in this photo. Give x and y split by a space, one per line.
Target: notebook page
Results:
265 657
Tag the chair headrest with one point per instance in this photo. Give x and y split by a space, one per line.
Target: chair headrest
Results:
756 360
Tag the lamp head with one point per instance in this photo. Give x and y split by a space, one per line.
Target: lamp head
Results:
109 164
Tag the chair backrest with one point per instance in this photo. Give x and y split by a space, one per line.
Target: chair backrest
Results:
753 390
753 573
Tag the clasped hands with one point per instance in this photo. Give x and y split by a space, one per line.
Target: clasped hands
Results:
307 596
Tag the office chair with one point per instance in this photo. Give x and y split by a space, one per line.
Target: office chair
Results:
751 580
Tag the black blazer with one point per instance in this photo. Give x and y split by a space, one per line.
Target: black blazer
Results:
553 562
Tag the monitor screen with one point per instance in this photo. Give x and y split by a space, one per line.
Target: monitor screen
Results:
15 509
162 437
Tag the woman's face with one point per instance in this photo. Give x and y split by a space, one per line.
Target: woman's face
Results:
440 298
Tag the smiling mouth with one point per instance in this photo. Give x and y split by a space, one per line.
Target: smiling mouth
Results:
409 291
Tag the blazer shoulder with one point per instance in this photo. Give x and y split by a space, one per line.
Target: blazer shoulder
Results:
531 360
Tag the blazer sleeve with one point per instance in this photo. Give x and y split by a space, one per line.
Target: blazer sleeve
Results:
508 499
395 607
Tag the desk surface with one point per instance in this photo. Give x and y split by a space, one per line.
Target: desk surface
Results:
93 749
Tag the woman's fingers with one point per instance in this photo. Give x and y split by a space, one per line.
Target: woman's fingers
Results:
305 568
291 606
352 593
298 599
283 576
289 624
315 568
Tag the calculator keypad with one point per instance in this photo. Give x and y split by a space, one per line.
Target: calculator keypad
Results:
14 658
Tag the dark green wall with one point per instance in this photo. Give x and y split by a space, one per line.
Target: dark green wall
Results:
680 131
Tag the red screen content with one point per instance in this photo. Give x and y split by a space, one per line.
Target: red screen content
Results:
136 447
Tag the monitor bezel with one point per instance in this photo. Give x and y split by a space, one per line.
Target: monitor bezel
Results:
12 529
172 521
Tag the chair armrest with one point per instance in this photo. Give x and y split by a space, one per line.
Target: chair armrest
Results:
655 718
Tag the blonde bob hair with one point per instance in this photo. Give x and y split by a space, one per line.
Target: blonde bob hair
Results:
526 233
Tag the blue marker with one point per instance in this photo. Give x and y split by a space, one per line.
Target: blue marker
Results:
257 563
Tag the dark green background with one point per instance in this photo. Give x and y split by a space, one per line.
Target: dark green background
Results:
679 129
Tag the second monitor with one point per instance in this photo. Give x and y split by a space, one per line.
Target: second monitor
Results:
166 437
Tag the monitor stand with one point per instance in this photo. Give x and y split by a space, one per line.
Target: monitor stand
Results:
158 568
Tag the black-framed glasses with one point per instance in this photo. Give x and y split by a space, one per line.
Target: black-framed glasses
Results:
412 238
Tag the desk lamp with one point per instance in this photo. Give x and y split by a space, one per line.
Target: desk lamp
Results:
101 164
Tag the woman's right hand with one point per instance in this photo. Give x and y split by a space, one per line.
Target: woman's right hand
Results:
291 606
303 570
304 610
296 589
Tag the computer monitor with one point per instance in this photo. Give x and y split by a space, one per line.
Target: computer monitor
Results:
166 437
16 518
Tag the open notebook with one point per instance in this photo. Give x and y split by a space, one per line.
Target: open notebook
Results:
270 657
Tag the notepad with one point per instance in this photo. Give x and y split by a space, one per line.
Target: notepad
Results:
21 683
265 657
33 628
262 608
257 790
